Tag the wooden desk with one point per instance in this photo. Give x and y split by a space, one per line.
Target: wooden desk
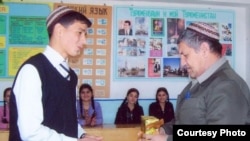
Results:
108 132
4 135
115 132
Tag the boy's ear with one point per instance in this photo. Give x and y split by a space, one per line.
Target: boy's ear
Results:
58 29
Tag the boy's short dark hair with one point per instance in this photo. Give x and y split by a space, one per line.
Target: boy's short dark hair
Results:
65 16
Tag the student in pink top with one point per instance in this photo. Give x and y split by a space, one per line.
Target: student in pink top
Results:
4 110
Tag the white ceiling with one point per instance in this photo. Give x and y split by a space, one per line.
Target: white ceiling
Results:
241 3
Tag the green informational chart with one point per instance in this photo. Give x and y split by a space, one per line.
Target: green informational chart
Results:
22 34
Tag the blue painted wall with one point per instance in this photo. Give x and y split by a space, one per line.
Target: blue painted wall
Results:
109 108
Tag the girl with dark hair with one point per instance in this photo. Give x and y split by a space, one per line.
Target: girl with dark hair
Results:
130 111
4 110
89 112
162 108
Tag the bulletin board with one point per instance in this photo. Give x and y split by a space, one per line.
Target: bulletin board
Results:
151 51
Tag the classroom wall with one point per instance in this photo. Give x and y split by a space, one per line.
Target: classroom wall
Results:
109 108
109 112
242 50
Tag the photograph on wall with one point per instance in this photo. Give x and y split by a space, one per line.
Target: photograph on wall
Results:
123 42
227 49
172 68
131 42
122 51
127 47
175 27
131 67
131 51
141 26
154 67
226 32
157 27
125 27
155 45
172 50
142 43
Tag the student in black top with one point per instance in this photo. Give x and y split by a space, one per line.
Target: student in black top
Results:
162 108
130 111
43 96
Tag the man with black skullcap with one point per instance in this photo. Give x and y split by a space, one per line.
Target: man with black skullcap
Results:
43 101
217 94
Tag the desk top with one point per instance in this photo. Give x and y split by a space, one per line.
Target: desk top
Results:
3 130
110 126
109 132
105 126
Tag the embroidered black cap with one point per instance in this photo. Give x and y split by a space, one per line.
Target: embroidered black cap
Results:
205 29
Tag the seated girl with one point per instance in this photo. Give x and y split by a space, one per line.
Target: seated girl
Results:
162 108
130 111
4 110
89 112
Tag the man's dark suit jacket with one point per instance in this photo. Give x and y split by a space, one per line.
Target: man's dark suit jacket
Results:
122 32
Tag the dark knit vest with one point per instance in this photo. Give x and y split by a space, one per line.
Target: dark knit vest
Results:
58 100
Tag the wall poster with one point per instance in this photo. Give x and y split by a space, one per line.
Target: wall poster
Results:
145 39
